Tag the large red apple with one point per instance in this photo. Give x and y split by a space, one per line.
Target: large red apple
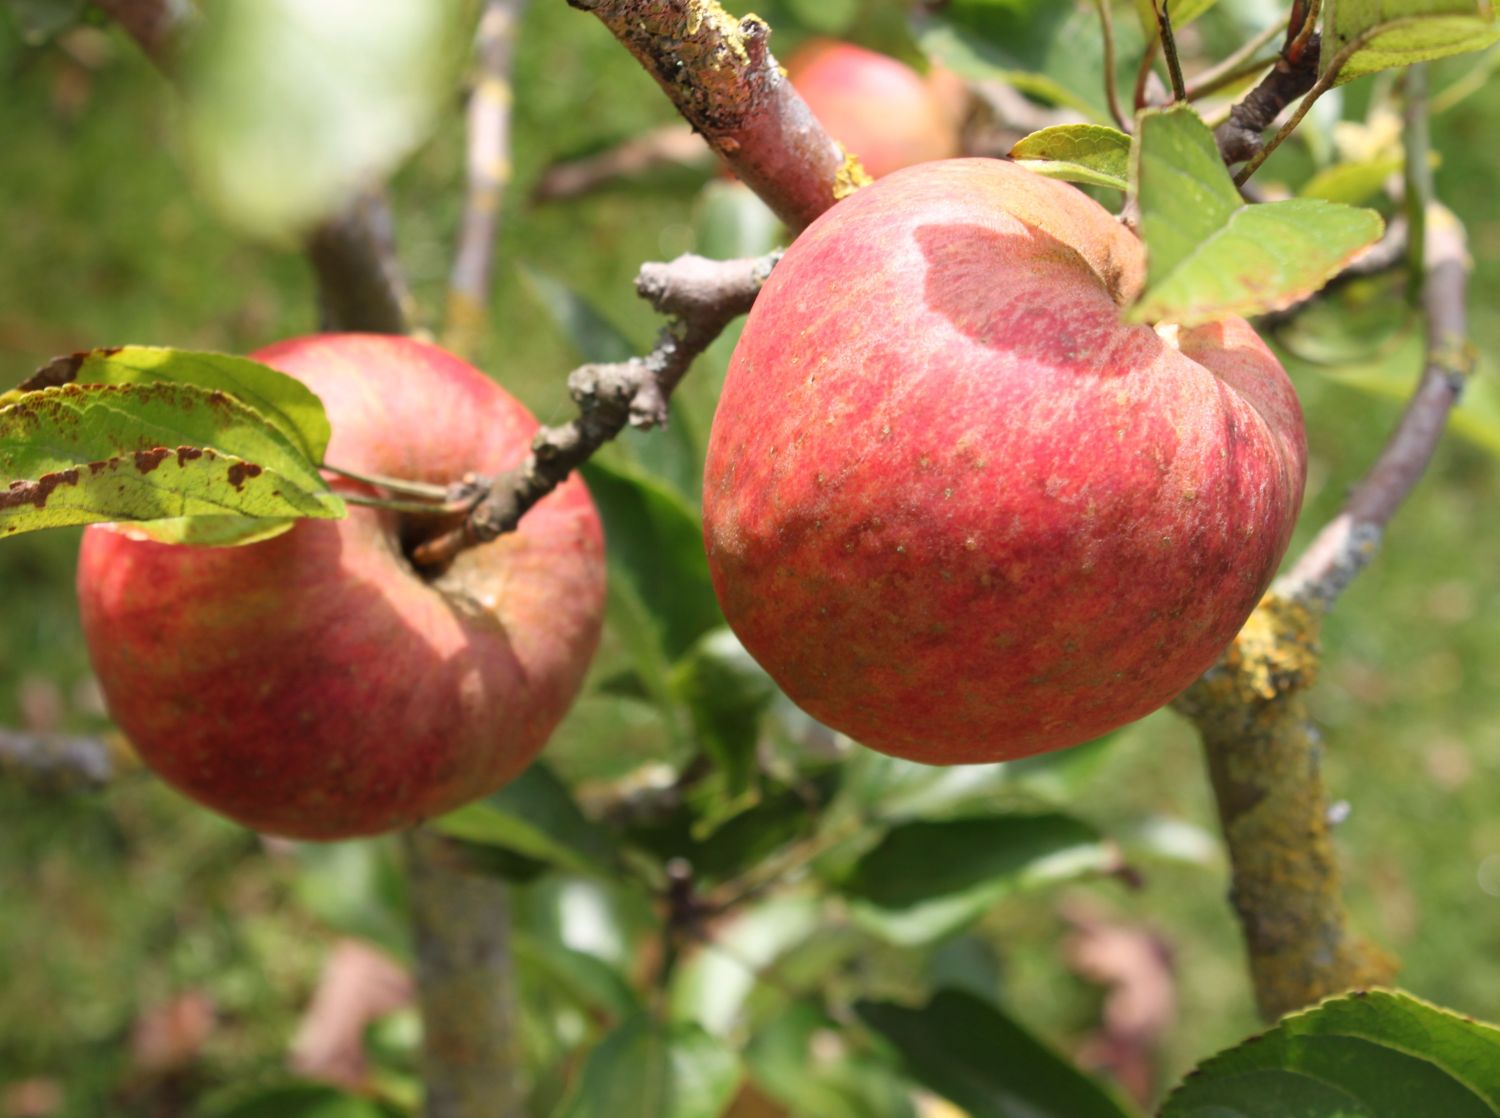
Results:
315 685
957 507
876 106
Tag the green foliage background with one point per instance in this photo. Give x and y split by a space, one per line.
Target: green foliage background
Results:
111 903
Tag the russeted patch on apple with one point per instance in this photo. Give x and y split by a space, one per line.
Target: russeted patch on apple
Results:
958 508
315 685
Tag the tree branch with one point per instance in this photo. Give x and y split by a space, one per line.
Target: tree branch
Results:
701 297
1295 72
1264 759
1263 752
725 82
1347 544
488 173
360 286
60 763
465 984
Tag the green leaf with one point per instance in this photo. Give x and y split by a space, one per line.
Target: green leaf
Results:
1044 49
982 1060
929 878
644 1069
1381 1054
535 815
656 545
712 986
284 402
300 1100
1208 253
1395 33
79 454
292 108
1087 153
725 692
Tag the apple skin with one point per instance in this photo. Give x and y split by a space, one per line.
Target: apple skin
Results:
313 685
955 506
876 106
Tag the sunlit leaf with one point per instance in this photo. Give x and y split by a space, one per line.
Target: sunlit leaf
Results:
284 402
1378 1055
1208 252
970 1052
1386 34
1087 153
79 454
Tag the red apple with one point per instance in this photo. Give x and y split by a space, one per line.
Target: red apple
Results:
956 506
877 107
315 685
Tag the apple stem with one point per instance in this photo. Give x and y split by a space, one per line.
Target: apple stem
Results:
471 1063
488 172
1169 49
404 487
723 79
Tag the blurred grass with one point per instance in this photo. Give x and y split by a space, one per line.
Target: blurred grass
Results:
113 903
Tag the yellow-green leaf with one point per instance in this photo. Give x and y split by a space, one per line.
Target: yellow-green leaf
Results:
77 453
1088 153
1384 34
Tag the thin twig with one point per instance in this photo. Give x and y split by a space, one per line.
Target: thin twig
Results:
670 145
1111 94
1241 64
488 173
701 297
1169 49
465 984
62 763
1347 544
720 74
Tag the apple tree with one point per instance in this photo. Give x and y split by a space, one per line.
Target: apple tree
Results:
929 486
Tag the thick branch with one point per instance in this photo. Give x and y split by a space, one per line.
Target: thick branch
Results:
723 79
488 174
1348 543
1265 763
701 297
1239 137
465 984
59 763
360 286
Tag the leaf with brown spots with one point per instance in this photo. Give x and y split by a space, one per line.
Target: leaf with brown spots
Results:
284 402
81 453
